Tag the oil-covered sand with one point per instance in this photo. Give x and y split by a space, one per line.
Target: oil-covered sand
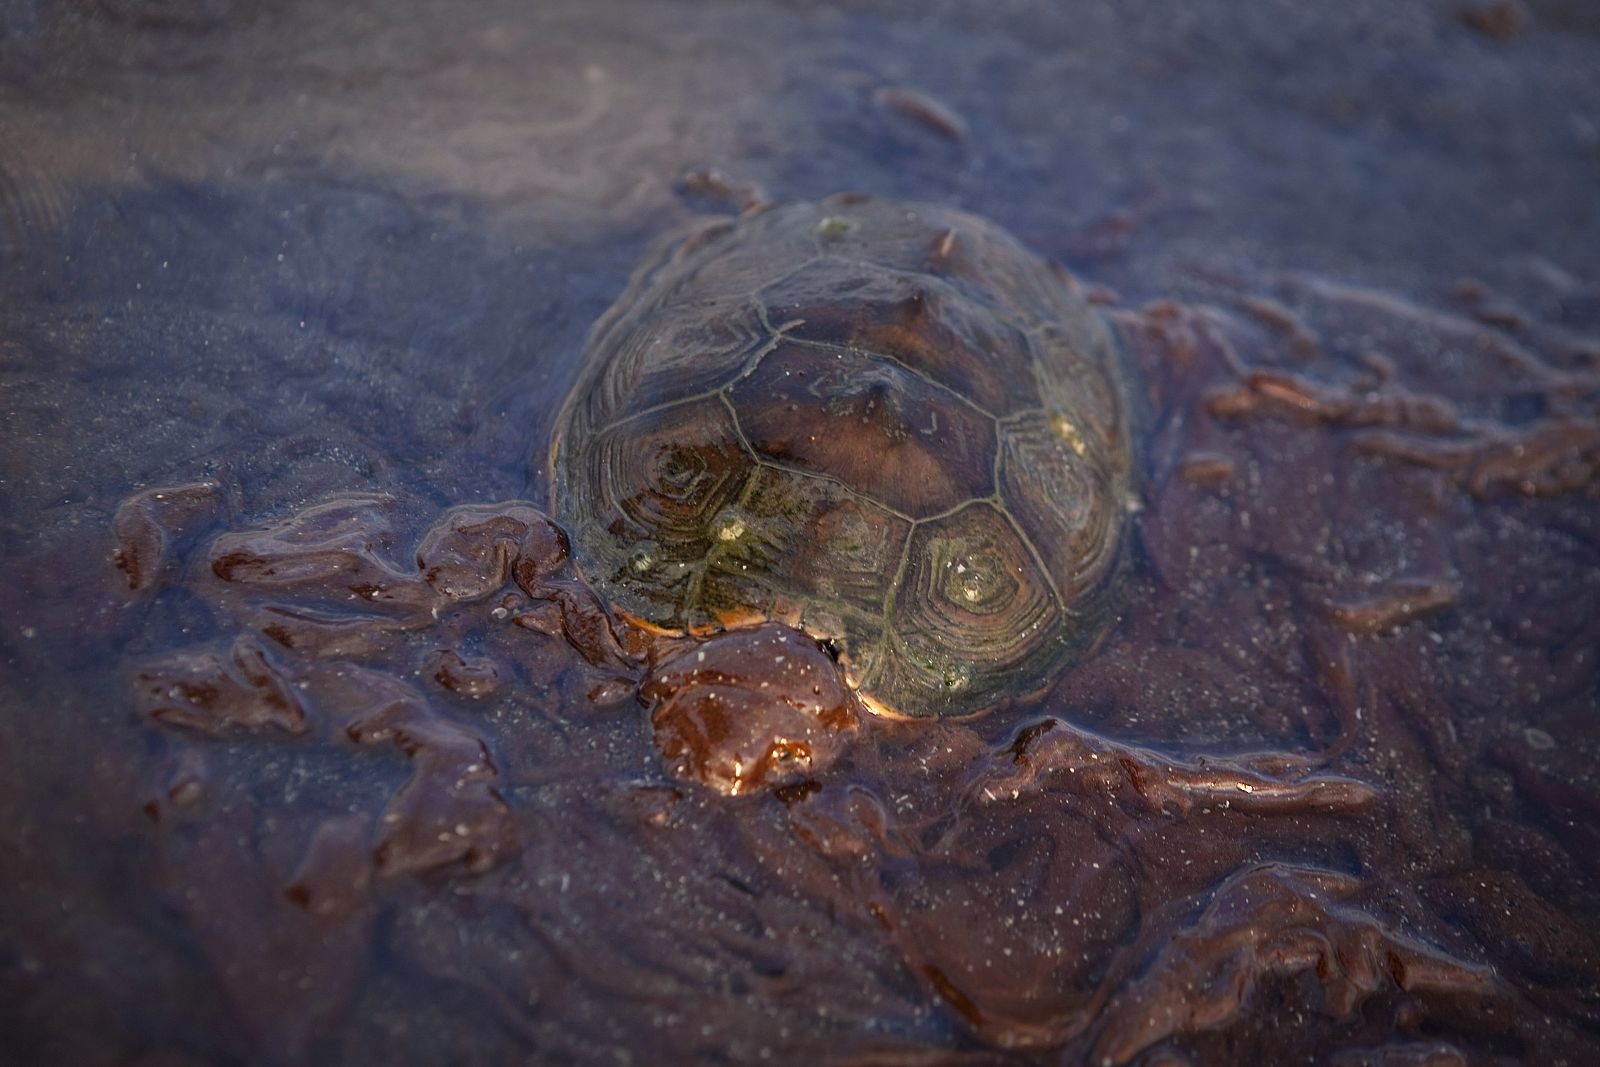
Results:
297 765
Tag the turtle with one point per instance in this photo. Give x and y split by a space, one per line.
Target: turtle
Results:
887 425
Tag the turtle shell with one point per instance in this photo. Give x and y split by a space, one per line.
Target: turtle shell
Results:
887 424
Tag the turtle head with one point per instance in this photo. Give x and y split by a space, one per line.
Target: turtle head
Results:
761 706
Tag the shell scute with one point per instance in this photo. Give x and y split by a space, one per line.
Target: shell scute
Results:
927 325
692 348
1051 479
843 549
974 608
886 433
657 484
